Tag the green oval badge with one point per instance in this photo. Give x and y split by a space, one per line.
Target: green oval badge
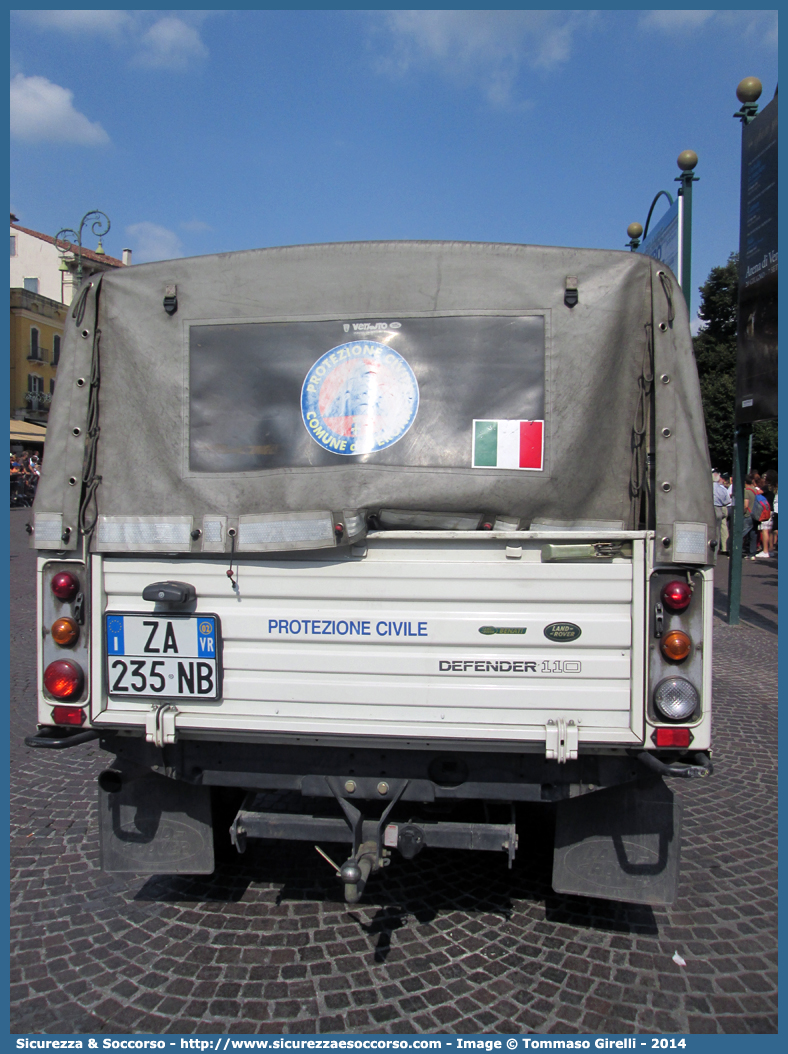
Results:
562 631
487 630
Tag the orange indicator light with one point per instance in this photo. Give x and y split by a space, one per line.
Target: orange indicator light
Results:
676 645
65 632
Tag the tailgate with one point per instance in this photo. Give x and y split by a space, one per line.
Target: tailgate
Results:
411 638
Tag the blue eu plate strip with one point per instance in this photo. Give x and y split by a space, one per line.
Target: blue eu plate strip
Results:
115 635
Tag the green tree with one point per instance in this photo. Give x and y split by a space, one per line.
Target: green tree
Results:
715 354
764 445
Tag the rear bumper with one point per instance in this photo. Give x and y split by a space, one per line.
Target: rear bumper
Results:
431 774
618 826
58 738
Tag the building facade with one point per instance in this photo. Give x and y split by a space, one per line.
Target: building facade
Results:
37 324
43 283
39 266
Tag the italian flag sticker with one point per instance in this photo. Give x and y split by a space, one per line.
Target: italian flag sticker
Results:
508 444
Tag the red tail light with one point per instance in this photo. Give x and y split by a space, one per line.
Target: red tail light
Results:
65 585
63 679
672 737
68 715
676 595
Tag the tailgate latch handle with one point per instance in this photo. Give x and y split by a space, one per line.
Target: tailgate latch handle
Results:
160 724
170 592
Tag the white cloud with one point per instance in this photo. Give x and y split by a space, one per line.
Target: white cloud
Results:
107 23
44 112
488 48
154 39
170 44
151 242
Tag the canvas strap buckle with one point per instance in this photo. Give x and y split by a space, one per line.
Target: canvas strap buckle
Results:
561 740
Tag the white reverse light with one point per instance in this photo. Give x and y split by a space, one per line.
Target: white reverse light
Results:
676 699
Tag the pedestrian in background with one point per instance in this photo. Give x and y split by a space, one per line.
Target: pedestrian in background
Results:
727 520
771 480
763 520
768 527
750 525
721 503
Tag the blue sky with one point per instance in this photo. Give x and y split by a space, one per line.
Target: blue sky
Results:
201 132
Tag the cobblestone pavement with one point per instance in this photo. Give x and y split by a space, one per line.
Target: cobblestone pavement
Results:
450 942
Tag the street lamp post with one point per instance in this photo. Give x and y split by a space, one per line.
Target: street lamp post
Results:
73 238
687 160
636 232
657 196
748 92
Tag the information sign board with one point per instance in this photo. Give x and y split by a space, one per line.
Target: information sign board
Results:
664 239
756 370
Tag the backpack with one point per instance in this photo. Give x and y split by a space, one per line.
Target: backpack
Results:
760 509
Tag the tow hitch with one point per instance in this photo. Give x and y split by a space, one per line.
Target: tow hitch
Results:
372 840
368 856
356 869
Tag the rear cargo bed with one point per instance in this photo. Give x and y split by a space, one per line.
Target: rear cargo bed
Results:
411 637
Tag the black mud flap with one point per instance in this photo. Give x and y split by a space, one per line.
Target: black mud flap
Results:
152 825
619 844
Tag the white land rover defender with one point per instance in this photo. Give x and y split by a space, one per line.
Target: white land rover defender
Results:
410 533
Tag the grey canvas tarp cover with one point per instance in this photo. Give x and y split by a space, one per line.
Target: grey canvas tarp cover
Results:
445 377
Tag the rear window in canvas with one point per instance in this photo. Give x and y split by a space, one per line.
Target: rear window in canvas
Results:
402 393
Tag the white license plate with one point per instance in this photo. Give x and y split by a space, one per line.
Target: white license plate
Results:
163 656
